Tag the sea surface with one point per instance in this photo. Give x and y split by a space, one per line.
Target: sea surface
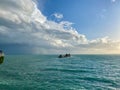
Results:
47 72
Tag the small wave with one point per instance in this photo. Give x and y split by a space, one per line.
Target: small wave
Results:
67 70
102 80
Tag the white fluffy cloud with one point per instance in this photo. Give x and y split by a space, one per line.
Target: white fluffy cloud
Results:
58 15
22 23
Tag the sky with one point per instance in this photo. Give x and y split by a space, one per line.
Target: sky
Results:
60 26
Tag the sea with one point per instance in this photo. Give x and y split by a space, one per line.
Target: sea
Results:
48 72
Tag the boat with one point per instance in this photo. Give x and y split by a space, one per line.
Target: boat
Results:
1 56
64 56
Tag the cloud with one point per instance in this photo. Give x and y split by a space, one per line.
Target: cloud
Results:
58 15
24 28
113 1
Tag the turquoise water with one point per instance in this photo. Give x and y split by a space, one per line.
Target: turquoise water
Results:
47 72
